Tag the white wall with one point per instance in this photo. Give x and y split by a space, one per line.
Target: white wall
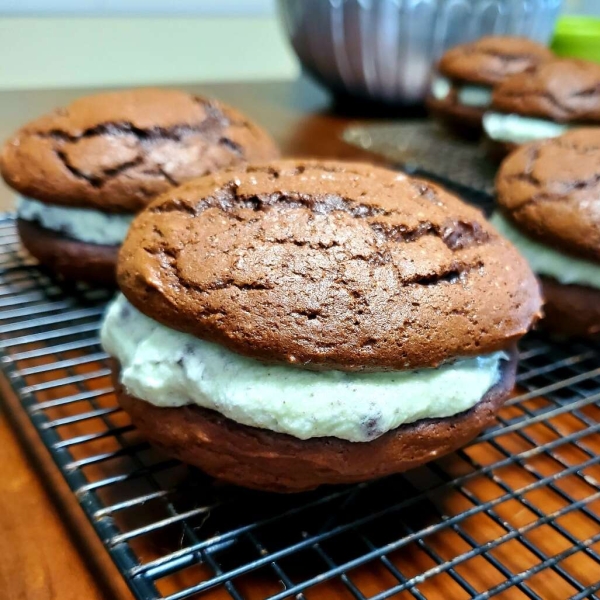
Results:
195 7
139 7
78 43
52 52
590 7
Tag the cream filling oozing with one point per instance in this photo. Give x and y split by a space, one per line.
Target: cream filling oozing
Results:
544 260
170 368
479 96
516 129
83 224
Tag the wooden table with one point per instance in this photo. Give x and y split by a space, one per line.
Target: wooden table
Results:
47 548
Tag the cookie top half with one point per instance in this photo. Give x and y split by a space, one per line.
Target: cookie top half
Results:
551 190
116 151
565 90
490 59
327 265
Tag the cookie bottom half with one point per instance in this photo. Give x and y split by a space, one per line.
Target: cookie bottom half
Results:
571 310
276 462
71 259
464 121
496 150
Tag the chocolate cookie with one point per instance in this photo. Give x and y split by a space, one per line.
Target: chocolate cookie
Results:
266 460
543 103
71 259
298 323
497 151
571 310
489 60
85 169
116 151
549 191
566 91
327 265
468 72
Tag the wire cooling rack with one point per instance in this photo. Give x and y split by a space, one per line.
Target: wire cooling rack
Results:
515 514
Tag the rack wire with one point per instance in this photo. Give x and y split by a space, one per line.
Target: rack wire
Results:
515 514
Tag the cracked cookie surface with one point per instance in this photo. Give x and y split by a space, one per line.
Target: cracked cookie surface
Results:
567 91
329 266
491 59
117 151
551 190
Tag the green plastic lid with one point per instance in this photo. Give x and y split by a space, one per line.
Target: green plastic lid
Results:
577 36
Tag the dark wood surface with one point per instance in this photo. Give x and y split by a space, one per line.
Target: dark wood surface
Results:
47 548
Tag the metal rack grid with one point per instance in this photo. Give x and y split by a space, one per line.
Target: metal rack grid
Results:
515 514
